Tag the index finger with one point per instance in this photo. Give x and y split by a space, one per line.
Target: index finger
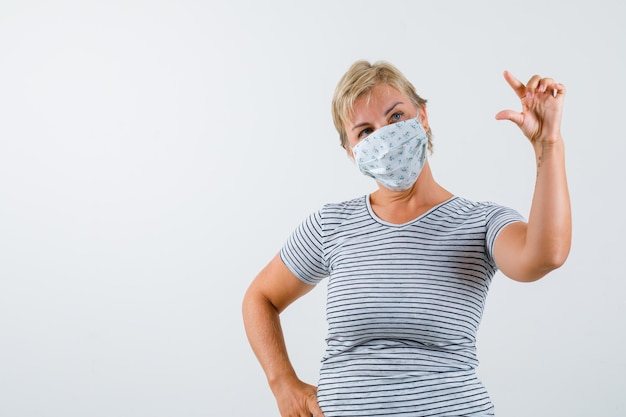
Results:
516 85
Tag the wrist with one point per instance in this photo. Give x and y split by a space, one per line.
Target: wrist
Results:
278 382
550 153
543 147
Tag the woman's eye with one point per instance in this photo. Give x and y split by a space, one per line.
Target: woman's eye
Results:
396 117
364 132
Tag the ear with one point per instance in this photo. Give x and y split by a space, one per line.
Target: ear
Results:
350 153
423 117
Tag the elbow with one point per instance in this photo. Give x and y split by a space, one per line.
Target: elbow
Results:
249 304
245 306
254 303
557 256
539 266
553 254
548 263
558 262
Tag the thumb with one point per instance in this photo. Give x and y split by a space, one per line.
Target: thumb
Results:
511 115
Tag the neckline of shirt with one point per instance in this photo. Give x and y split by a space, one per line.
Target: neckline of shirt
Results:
415 220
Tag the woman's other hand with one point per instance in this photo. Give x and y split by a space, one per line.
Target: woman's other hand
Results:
297 399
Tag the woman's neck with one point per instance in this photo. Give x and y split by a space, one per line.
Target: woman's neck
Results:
404 206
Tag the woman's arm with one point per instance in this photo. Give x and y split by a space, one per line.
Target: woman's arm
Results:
269 294
528 251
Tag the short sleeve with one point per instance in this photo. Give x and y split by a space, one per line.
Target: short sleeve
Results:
303 253
498 217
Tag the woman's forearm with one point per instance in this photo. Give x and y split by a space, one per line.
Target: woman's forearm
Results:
264 332
269 294
549 232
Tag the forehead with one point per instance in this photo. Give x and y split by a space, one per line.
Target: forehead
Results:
376 101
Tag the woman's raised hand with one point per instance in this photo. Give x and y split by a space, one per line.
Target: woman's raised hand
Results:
542 108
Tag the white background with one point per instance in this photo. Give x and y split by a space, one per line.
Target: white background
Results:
154 155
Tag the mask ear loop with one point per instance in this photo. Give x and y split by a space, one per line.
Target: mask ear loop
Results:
417 118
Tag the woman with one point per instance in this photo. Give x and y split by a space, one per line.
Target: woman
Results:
409 265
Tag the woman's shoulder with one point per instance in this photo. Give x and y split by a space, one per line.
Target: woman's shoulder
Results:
473 203
463 205
346 207
332 214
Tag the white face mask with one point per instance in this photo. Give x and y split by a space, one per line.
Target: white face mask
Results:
393 155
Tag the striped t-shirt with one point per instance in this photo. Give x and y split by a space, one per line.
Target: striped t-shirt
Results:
404 304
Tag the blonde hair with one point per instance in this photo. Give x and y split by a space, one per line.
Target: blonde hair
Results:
359 80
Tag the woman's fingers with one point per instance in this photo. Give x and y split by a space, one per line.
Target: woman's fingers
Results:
314 407
515 84
542 99
511 115
545 84
536 84
553 88
533 84
559 89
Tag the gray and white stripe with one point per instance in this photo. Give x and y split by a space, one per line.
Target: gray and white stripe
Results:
404 304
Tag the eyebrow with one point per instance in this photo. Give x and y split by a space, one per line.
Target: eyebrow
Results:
389 110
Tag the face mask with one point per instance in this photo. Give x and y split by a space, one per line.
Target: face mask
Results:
393 155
